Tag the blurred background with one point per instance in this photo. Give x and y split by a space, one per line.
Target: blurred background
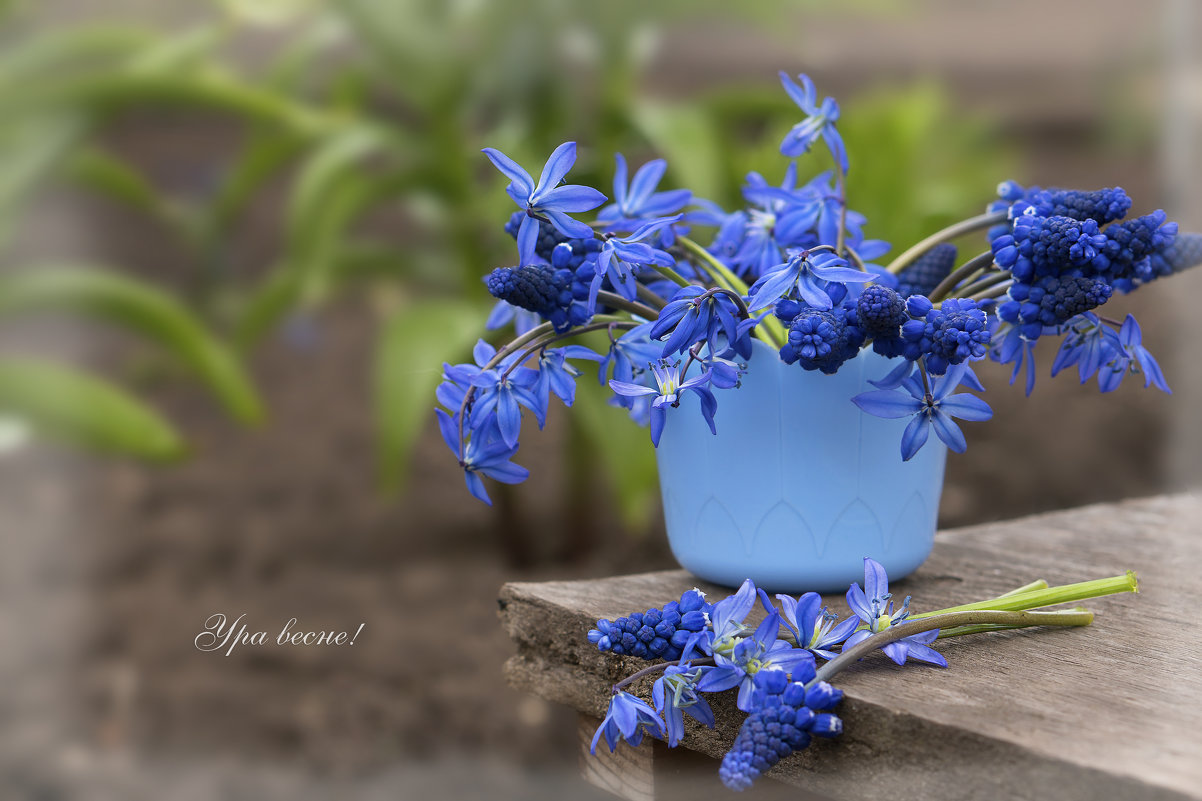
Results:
239 238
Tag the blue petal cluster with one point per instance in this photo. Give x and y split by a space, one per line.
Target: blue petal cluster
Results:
785 717
1101 205
927 271
1052 301
659 633
881 312
951 334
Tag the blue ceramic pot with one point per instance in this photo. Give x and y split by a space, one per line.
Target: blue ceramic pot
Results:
799 485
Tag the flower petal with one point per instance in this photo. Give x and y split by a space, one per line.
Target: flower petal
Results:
520 179
556 168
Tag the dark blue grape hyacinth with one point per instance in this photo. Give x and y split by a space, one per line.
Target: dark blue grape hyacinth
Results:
784 718
953 333
927 271
881 311
1100 205
660 633
1131 244
1185 252
1039 246
1052 301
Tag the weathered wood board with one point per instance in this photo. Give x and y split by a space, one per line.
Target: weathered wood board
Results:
1113 711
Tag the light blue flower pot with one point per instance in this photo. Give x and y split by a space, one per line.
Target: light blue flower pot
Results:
799 485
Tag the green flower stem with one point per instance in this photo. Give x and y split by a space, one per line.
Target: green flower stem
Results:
984 628
632 306
1048 596
770 329
646 295
951 232
946 621
986 282
671 275
658 666
965 271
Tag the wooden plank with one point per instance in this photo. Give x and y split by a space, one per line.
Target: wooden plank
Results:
1113 711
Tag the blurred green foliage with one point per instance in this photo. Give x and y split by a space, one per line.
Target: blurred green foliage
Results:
371 115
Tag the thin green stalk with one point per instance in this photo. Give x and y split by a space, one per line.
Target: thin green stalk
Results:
671 275
645 294
958 275
1049 596
1014 619
987 282
951 232
632 306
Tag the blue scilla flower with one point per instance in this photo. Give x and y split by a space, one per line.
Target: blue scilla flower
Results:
750 655
1131 357
812 625
556 376
806 273
786 715
726 620
546 198
659 633
1088 343
620 260
628 718
675 694
1007 345
668 391
484 454
629 356
928 270
696 314
820 121
953 333
874 606
752 242
1051 301
500 392
639 202
935 408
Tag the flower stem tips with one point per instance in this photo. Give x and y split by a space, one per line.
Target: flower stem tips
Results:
698 648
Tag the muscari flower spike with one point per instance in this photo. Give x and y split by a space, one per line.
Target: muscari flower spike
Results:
785 716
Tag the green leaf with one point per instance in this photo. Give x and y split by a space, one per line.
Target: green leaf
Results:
411 350
33 150
73 407
140 308
109 175
329 164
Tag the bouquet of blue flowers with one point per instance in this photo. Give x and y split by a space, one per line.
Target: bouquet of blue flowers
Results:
792 268
697 648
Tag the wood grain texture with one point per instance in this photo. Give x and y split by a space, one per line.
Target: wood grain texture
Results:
1113 711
